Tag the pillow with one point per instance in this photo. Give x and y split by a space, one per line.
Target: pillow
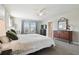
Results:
11 35
0 47
0 41
13 31
4 39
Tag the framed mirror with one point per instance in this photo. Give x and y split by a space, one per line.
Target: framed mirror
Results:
62 24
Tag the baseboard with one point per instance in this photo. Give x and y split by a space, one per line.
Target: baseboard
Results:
76 43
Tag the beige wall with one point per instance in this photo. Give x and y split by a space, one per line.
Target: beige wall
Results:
18 24
73 17
2 28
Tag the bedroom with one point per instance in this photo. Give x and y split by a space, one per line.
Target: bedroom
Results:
38 25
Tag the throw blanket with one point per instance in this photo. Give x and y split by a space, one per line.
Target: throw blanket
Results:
15 45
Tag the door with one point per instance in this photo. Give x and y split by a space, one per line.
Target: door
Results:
50 25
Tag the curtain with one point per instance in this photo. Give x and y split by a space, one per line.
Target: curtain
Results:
28 27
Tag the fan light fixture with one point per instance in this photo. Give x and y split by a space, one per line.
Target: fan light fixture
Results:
42 12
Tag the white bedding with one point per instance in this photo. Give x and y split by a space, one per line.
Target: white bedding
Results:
29 43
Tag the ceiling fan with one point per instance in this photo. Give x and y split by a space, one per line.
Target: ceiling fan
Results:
42 12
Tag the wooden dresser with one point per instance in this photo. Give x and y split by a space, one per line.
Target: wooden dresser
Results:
63 35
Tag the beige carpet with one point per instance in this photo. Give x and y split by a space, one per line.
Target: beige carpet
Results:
62 48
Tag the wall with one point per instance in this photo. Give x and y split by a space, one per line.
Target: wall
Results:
42 23
2 28
39 26
3 20
2 12
18 22
6 17
73 17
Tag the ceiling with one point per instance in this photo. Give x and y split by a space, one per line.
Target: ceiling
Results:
31 11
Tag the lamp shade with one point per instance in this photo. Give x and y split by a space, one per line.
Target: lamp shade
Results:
2 28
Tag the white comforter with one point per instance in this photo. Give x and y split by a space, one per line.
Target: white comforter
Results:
28 43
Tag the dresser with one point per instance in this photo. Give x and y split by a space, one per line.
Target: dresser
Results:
63 35
43 32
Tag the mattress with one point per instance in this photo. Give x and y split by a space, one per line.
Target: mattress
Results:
29 43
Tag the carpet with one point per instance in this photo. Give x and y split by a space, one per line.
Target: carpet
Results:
62 48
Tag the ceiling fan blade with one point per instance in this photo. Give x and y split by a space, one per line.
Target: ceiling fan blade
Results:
42 9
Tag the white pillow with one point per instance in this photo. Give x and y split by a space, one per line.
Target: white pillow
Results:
4 39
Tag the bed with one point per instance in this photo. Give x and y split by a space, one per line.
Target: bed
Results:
28 43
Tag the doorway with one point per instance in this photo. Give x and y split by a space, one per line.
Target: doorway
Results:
50 28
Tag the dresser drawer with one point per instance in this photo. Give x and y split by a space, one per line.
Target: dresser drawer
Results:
64 35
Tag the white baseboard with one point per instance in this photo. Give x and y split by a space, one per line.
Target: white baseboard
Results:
77 43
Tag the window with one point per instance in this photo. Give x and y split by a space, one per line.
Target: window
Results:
28 27
33 27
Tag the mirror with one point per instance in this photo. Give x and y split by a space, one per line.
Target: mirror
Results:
62 24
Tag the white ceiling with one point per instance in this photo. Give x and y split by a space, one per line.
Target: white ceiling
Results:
29 11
